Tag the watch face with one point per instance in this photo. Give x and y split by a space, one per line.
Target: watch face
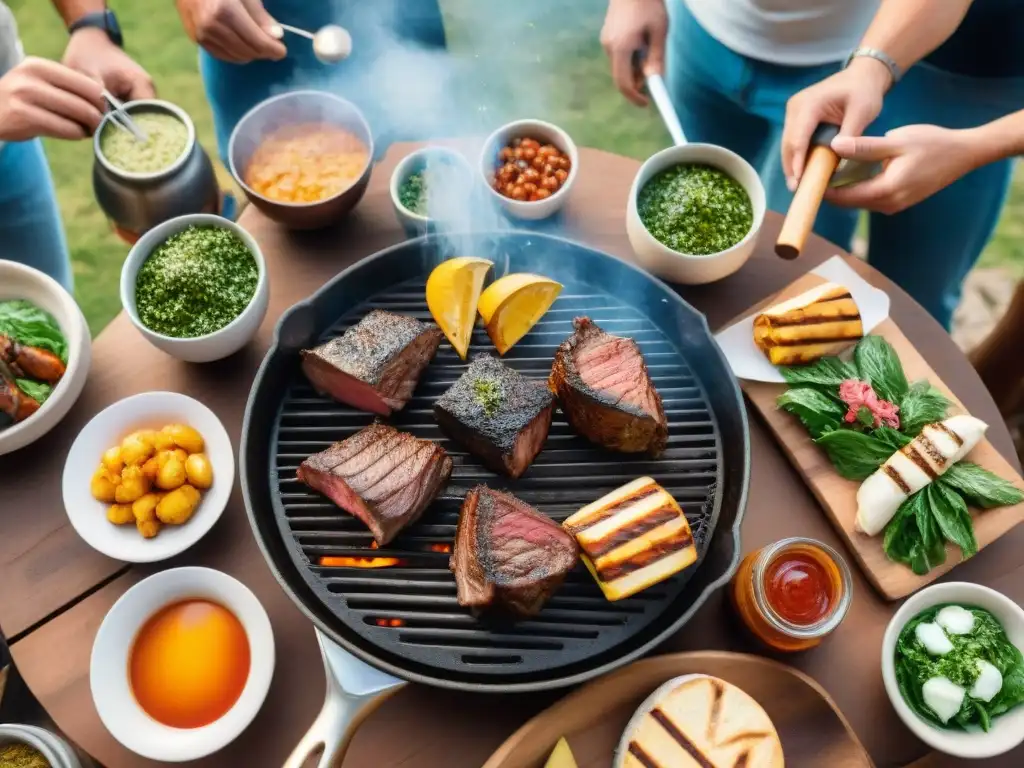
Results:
112 27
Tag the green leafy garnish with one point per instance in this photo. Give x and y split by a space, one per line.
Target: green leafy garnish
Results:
855 455
986 641
981 487
913 538
950 512
38 390
487 392
879 365
27 324
827 372
818 412
891 437
922 404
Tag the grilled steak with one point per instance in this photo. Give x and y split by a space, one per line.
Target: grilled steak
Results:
375 365
507 554
384 477
499 415
605 391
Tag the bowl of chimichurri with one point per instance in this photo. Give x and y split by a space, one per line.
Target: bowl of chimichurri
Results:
432 186
196 287
694 213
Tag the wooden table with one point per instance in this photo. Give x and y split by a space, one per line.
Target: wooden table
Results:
54 590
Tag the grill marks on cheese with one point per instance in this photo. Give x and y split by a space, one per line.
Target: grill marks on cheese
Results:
704 723
822 321
633 537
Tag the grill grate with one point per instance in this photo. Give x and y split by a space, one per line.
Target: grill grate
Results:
410 608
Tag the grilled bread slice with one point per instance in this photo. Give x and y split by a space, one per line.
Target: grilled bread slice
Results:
697 721
632 538
822 321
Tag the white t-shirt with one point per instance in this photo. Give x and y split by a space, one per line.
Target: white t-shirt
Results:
790 32
11 52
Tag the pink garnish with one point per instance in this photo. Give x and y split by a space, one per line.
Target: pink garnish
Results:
859 394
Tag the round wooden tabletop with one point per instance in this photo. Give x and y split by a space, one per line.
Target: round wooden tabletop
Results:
56 591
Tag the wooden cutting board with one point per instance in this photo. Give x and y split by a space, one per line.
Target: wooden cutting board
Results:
812 729
838 495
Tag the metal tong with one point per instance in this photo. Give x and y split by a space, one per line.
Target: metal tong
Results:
119 116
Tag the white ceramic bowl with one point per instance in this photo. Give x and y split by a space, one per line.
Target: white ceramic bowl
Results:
545 133
416 224
20 282
150 410
1007 730
201 349
108 667
679 267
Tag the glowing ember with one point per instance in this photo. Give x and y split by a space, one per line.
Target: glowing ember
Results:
389 622
441 547
360 562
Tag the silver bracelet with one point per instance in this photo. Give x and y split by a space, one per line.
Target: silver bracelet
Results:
877 55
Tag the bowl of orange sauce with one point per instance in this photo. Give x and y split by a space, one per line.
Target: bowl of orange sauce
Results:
181 664
304 158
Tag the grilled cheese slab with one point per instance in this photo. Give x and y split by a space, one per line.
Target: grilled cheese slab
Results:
633 537
822 321
696 721
912 467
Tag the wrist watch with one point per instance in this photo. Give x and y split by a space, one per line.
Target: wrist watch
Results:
105 20
877 55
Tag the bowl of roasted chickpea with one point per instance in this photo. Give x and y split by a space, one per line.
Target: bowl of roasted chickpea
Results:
529 166
148 476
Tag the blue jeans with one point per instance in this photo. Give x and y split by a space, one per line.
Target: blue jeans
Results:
728 99
390 40
31 231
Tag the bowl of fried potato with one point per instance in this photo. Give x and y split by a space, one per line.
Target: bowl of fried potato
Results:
148 476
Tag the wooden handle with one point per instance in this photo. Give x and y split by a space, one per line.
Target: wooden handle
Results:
821 164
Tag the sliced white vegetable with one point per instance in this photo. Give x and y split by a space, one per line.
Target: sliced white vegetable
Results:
880 495
933 639
943 697
955 620
989 682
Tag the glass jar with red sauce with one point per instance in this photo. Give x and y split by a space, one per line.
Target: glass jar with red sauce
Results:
792 593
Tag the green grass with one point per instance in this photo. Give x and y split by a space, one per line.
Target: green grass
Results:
546 55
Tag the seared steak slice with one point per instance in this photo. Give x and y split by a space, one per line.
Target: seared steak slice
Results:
498 414
605 391
384 477
508 554
375 365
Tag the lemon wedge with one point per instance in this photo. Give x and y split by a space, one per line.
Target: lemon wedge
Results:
513 304
562 756
453 290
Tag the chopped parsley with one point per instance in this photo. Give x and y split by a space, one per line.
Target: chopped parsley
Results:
695 209
195 283
487 392
412 193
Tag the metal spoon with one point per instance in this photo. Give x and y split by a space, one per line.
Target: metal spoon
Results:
331 43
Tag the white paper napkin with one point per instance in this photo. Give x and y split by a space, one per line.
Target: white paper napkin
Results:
748 362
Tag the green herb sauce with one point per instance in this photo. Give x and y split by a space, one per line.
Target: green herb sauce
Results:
986 641
166 139
195 283
695 209
487 392
412 193
21 756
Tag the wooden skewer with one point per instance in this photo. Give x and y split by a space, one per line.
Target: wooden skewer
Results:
821 164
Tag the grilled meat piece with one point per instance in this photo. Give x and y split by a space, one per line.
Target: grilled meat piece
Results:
384 477
507 554
14 403
498 414
31 362
605 391
375 365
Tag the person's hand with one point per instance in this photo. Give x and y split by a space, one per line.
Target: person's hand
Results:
238 31
919 160
43 98
850 99
630 26
92 53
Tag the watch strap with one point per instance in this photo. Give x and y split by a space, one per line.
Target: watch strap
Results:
877 55
99 20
